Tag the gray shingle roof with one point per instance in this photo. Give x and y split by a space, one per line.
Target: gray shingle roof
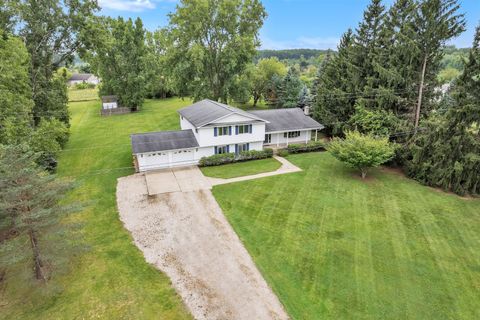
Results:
162 141
80 76
206 111
286 119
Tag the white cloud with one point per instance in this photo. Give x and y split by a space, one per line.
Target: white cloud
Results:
127 5
300 43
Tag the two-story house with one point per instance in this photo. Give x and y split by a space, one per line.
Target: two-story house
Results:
210 127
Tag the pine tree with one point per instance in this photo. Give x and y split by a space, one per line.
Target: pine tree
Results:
289 91
366 45
437 21
336 89
447 154
30 209
304 98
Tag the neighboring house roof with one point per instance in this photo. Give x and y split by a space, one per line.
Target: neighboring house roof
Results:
207 111
162 141
286 120
81 76
109 99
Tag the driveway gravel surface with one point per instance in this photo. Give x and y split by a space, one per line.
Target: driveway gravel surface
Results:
186 235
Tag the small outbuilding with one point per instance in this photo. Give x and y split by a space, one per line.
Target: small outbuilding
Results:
111 105
109 102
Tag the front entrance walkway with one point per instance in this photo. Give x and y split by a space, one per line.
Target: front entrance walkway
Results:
287 167
185 234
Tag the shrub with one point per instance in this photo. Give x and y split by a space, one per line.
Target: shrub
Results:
361 151
283 152
309 147
219 159
84 85
254 155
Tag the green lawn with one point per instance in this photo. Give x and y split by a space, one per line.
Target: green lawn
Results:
75 95
112 279
335 247
240 169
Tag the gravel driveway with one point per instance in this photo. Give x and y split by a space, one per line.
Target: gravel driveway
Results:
186 235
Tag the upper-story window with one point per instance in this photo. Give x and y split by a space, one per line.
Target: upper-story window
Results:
222 131
292 134
244 128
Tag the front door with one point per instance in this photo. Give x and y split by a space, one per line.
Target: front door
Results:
268 139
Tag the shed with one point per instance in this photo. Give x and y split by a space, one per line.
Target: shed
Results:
109 102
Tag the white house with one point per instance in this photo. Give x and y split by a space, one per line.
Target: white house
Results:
210 127
77 78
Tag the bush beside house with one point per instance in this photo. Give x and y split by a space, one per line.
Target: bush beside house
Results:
219 159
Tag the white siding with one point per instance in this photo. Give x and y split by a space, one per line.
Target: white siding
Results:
279 139
206 136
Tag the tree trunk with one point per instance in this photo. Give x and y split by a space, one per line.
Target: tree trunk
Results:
364 174
420 93
39 275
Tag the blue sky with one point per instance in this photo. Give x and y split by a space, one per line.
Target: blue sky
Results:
291 23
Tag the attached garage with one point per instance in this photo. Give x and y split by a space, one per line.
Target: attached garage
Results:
165 149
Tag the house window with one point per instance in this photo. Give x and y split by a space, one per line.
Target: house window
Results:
292 134
242 147
222 149
242 129
222 131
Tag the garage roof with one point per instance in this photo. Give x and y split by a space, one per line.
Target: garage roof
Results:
162 141
287 120
207 111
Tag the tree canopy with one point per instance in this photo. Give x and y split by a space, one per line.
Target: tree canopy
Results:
361 151
210 42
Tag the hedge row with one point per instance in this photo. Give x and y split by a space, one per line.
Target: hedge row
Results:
312 146
219 159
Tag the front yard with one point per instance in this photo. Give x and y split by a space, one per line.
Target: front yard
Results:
335 247
240 169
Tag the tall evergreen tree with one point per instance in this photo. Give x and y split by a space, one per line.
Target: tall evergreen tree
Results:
30 210
366 46
436 22
289 90
447 154
336 90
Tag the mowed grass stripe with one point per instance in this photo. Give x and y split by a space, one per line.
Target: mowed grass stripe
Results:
335 247
111 280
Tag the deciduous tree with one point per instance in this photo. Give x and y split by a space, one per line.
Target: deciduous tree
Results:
361 151
210 42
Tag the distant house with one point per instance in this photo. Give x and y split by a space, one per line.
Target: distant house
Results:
83 78
209 127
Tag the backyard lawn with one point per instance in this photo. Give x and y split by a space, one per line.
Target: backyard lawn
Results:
111 280
335 247
240 169
76 95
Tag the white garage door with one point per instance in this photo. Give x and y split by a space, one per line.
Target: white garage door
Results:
154 160
182 156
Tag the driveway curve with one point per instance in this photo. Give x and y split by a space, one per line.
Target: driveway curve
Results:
186 235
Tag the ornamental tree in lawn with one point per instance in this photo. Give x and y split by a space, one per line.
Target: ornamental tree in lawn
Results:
361 151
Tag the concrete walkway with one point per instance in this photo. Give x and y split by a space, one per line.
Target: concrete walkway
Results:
287 167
